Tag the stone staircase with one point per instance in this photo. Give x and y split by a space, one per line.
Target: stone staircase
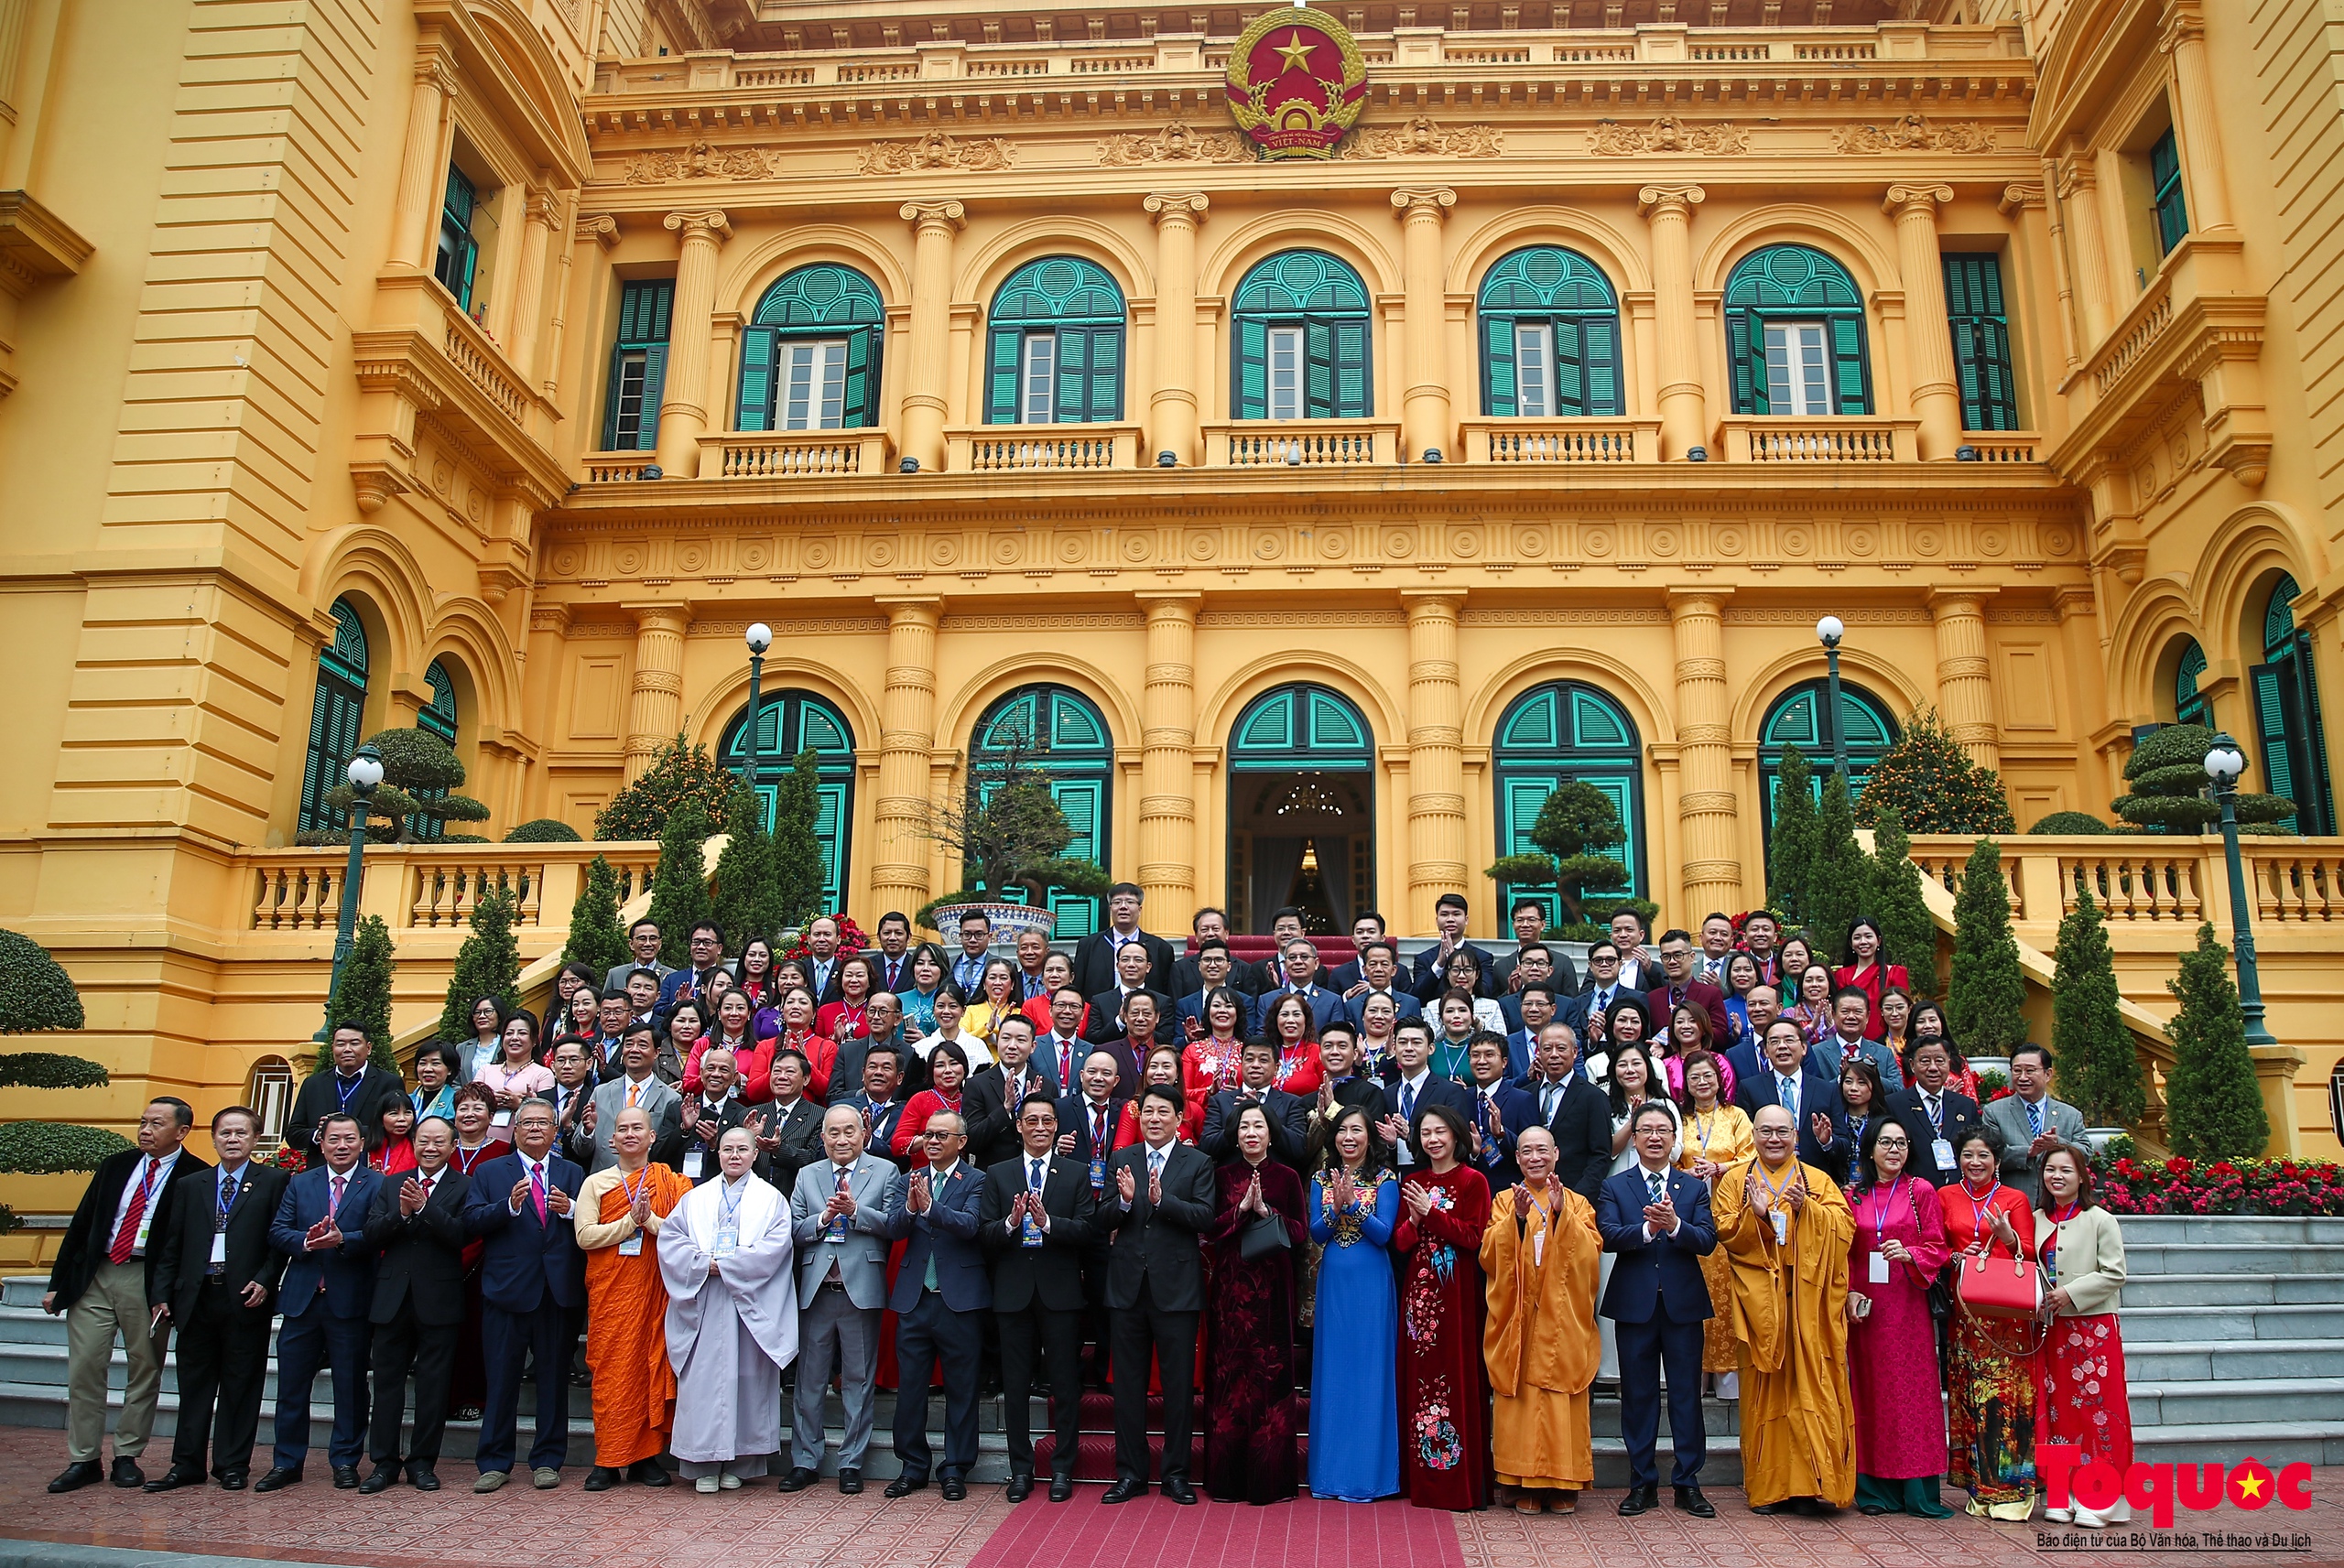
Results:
2233 1330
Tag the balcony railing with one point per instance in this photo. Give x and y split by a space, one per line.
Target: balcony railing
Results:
1302 443
1040 448
1846 438
430 887
793 454
1561 440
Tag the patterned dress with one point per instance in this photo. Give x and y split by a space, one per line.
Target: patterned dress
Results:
1892 1351
1991 1412
1444 1387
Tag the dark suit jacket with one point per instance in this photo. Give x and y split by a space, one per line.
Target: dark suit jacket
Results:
1665 1271
1496 1162
1188 980
344 1276
1106 1026
1053 1271
1566 978
947 1232
91 1231
421 1265
1436 1090
1094 964
318 1099
1326 1006
525 1261
1957 1111
1289 1124
1427 983
993 1136
178 1278
1581 1126
1701 994
1405 1006
801 1140
1816 1094
732 1113
1156 1256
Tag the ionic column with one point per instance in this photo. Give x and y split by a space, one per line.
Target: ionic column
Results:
1965 680
423 164
1424 360
1936 396
2038 242
683 409
1707 812
906 736
2080 203
929 349
2200 135
656 700
1172 408
1684 419
1436 755
528 295
1168 805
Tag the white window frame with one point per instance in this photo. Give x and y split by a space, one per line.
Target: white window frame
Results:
812 376
1534 368
1286 388
634 374
1799 368
1037 378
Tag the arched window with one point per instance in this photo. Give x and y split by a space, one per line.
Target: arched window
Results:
1554 734
1550 337
2287 717
1061 733
1302 808
439 717
809 357
2189 706
1055 347
269 1089
337 718
788 722
1301 341
1795 333
1796 719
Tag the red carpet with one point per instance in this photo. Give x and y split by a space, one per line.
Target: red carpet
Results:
1155 1532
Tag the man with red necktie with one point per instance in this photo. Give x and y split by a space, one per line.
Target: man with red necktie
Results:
327 1296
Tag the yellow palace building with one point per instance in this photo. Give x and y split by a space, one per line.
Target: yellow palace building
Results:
1328 428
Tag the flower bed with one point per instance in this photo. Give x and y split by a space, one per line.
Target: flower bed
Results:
2130 1186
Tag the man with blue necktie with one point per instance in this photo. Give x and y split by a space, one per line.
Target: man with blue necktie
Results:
821 958
976 950
894 956
327 1297
1655 1221
1812 1100
2030 1121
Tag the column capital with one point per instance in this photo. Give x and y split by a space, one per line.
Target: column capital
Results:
712 224
1432 601
1425 201
1947 602
600 227
1170 606
544 207
1175 205
912 611
2182 22
435 66
1684 603
1657 201
2074 174
1908 201
2019 199
660 616
946 215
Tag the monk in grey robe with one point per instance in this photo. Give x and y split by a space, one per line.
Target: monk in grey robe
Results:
725 1254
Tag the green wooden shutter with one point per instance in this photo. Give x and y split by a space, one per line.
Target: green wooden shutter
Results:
2271 729
759 348
1745 348
1104 403
1981 341
859 406
1071 391
1082 800
655 382
1354 397
1570 367
1850 373
614 439
829 833
1253 369
1004 371
1319 401
1501 390
1601 340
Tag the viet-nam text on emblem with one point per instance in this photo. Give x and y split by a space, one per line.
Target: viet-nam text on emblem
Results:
1296 82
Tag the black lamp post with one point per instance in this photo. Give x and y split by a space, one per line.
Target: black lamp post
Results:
1830 630
366 775
760 639
2224 765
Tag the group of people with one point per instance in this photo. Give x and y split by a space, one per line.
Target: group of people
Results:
1419 1212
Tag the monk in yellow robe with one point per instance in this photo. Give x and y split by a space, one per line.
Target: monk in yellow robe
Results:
626 1307
1540 1257
1786 1227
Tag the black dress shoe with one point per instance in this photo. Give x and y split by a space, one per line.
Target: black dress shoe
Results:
80 1474
1690 1499
1123 1491
127 1473
235 1480
850 1482
601 1478
955 1489
1768 1509
1020 1487
172 1479
651 1472
1640 1499
905 1486
378 1479
1061 1488
346 1478
278 1480
1177 1488
797 1480
422 1477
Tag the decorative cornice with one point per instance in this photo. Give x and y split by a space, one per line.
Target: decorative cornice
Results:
1423 136
702 160
1178 142
1668 135
938 150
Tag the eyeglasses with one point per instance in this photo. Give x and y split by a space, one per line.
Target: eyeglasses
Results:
1891 1143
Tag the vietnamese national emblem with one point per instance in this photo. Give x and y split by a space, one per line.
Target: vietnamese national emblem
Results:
1296 82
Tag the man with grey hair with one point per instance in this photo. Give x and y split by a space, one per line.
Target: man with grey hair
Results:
839 1225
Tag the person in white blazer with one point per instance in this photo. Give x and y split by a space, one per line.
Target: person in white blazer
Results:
2080 1372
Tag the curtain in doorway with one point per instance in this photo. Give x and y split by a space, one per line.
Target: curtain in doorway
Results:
1335 876
1275 862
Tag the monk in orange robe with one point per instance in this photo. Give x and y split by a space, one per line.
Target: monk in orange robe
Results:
1785 1226
1540 1257
626 1307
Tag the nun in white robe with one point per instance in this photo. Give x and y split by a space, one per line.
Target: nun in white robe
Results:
731 1319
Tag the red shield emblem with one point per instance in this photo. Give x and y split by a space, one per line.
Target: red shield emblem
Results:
1297 83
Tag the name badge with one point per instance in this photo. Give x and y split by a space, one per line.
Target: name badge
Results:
1781 1227
1876 1269
728 1242
691 1166
219 1247
1033 1232
1941 1151
1538 1247
1099 1175
631 1247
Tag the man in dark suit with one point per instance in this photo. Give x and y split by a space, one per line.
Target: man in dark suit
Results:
894 953
1209 969
1534 1005
1411 1085
690 982
1344 1084
1534 965
1639 965
1813 1100
355 1088
710 1114
1529 919
1933 1116
1748 1060
1679 985
1655 1219
1000 1087
1584 1013
1431 976
941 1295
792 1138
215 1282
1093 1123
1490 1151
1161 1197
822 960
327 1292
1300 960
1095 969
103 1280
1189 976
1108 1007
1289 1115
1575 1111
530 1275
1036 1219
1379 970
880 1103
417 1225
1349 977
1060 1054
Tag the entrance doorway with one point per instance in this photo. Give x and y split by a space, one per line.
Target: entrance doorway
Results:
1301 809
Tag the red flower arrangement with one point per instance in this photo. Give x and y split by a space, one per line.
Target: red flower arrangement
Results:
850 940
2130 1186
285 1157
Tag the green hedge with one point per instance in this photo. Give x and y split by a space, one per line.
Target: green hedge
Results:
54 1147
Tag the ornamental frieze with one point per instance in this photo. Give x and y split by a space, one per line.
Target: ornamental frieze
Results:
934 151
700 162
1424 136
1668 135
1175 143
1915 133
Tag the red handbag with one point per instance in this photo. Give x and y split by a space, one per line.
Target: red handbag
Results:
2007 1288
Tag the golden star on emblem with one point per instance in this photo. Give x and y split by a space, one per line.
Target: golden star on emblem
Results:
1297 52
2250 1487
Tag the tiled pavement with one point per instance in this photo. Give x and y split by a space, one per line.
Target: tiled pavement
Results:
757 1528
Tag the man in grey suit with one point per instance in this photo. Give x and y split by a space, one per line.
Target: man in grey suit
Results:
637 1088
642 940
840 1209
2031 1121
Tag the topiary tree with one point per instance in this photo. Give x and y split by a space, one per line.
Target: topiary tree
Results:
420 776
2171 791
596 938
1010 834
1929 781
488 964
2071 822
2098 1069
37 996
362 996
1839 879
679 773
680 898
2214 1108
1576 824
797 847
1984 1004
1894 898
544 830
1790 852
748 901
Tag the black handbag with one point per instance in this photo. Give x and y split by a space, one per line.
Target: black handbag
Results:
1263 1234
